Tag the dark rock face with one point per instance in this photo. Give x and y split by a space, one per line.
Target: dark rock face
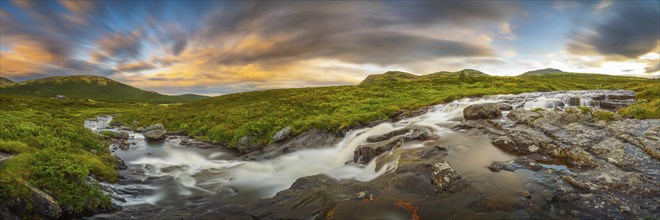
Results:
482 111
155 132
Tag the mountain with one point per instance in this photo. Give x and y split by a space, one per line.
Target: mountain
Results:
91 87
388 77
465 72
5 82
545 71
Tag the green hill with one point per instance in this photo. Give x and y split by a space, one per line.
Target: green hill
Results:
91 87
388 77
5 82
465 72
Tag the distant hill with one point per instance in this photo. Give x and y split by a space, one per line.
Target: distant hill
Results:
91 87
543 72
388 77
465 72
5 82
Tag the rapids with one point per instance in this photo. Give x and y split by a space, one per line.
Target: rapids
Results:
169 174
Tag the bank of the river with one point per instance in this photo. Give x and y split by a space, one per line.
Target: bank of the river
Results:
525 156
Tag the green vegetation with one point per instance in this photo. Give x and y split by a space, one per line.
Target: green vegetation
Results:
5 82
54 151
260 114
603 115
90 87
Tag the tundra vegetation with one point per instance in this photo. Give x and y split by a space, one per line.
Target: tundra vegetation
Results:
55 153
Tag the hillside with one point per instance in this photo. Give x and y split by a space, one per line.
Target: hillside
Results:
388 77
258 115
91 87
5 82
465 72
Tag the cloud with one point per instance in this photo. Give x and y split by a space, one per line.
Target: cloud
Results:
135 67
119 47
630 30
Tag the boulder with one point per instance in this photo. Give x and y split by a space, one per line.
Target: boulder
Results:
139 129
282 134
155 132
482 111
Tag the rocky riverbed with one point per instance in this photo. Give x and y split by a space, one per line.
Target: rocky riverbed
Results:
532 155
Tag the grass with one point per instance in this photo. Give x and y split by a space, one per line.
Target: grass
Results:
90 87
261 114
54 151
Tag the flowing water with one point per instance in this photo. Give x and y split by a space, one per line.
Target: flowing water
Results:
167 173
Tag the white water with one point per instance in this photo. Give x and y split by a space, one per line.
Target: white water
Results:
208 172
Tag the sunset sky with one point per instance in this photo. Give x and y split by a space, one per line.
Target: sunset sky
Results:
211 47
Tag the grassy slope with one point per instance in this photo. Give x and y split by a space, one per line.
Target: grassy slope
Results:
91 87
260 114
55 152
5 82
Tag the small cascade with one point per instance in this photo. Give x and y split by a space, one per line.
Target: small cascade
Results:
159 172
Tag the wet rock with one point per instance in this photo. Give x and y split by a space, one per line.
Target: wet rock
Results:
155 132
482 111
115 124
368 151
311 139
139 129
282 134
387 136
513 165
611 105
504 106
119 163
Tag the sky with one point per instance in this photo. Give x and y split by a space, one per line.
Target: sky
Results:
216 47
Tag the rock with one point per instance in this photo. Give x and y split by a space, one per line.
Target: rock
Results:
386 136
119 163
482 111
44 205
139 129
504 106
368 151
155 127
526 194
121 135
184 140
282 134
155 132
611 105
115 124
513 165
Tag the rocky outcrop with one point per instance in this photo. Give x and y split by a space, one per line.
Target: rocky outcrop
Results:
482 111
307 140
379 144
611 167
155 132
